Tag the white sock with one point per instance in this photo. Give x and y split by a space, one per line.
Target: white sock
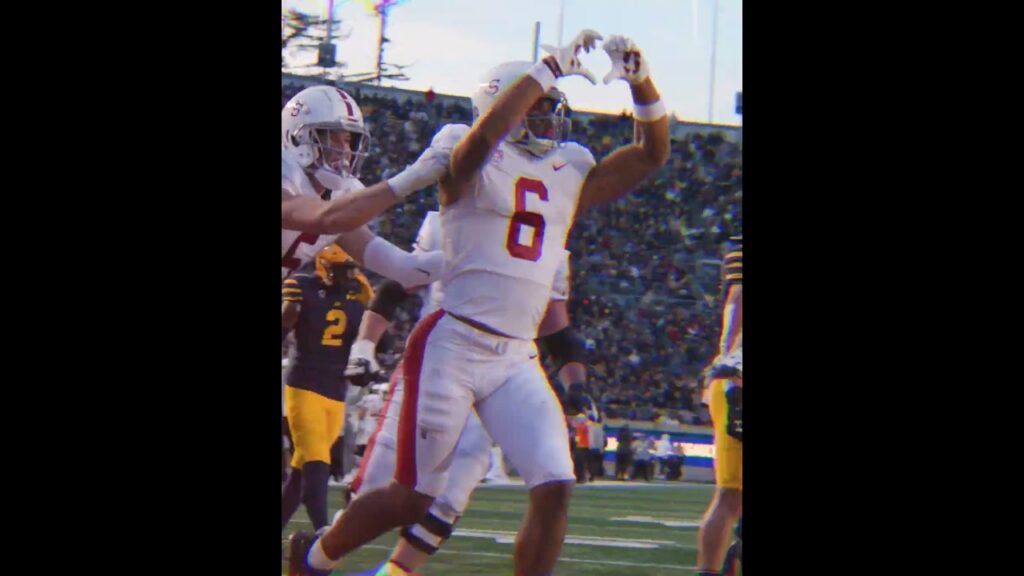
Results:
318 559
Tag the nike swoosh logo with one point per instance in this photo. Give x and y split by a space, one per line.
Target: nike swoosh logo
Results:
424 271
532 356
557 168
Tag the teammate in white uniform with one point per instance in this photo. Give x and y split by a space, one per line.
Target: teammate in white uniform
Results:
508 199
370 408
324 142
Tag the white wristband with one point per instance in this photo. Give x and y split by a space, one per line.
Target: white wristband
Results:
543 75
363 349
403 184
649 112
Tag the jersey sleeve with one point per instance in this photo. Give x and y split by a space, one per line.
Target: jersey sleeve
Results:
291 290
439 153
579 158
732 271
446 138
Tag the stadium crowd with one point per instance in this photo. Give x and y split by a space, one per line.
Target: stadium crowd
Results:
645 269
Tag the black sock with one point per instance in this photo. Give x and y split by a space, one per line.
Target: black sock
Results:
559 389
291 493
314 492
731 556
337 458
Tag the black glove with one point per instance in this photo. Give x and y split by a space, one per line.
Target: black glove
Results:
576 399
360 374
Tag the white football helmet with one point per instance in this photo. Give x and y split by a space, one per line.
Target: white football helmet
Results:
540 133
307 123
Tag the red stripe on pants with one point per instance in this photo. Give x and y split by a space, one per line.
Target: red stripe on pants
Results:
405 468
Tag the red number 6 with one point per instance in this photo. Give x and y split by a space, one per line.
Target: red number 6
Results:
521 217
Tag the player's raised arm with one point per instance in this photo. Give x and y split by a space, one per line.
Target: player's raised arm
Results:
626 168
510 109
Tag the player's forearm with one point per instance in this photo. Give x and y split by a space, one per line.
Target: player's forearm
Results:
651 135
302 214
340 215
369 202
376 254
372 326
409 269
508 112
627 167
357 208
618 174
644 92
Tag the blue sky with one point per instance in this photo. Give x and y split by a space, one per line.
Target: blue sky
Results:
449 44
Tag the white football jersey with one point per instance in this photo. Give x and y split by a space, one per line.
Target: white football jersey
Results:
504 238
560 288
374 405
298 247
428 239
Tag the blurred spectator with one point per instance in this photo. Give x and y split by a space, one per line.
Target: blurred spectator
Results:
581 451
643 454
624 452
597 445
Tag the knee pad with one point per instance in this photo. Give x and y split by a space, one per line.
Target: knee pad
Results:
429 534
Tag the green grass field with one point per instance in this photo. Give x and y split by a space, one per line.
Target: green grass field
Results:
615 529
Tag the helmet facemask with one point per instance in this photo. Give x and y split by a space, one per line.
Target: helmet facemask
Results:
343 278
332 160
338 272
545 125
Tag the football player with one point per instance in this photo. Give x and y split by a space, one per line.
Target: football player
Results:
324 310
324 143
509 195
724 398
473 450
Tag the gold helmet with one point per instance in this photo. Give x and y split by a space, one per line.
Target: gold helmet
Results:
335 266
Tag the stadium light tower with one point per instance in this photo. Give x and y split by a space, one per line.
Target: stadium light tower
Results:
382 7
330 17
327 54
